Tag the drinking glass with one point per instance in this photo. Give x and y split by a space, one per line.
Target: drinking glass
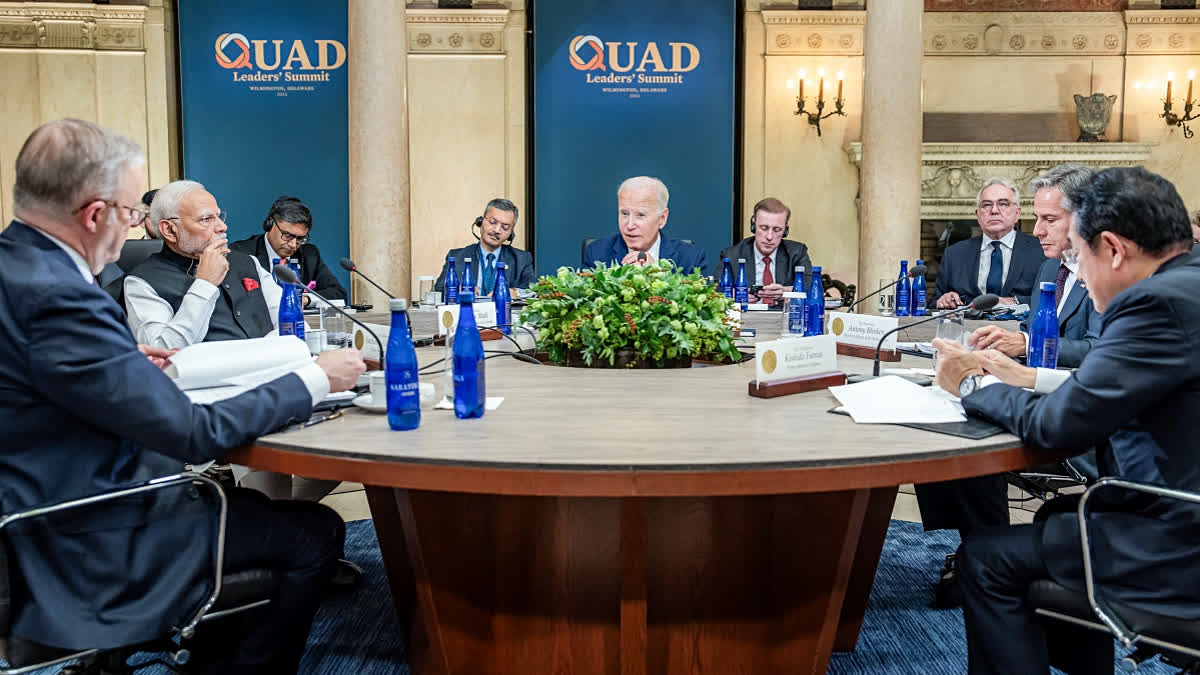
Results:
951 328
886 300
337 328
424 289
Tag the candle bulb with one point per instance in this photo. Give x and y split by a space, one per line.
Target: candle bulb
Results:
1170 77
800 79
1191 77
841 76
821 85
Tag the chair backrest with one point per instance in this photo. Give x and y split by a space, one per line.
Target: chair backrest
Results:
583 250
135 251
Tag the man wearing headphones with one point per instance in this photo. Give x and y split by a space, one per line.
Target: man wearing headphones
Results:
497 229
774 257
285 235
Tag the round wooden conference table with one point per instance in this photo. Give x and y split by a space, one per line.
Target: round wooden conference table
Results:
631 522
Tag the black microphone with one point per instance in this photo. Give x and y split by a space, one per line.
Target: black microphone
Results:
286 275
918 271
982 303
641 256
349 266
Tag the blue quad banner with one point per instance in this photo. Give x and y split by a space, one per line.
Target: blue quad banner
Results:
264 111
625 88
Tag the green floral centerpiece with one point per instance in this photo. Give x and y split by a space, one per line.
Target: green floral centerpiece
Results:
629 316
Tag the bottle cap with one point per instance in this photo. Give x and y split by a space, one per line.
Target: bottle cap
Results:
903 262
724 259
501 266
466 260
398 304
816 269
450 258
466 297
793 294
920 261
799 268
741 260
1048 286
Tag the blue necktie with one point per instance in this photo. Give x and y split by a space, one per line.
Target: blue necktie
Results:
995 278
489 274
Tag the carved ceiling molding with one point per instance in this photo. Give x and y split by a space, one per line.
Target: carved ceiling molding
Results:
72 26
1024 33
1163 32
835 32
1025 5
456 31
953 173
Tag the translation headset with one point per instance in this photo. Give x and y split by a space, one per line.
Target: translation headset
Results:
479 223
276 207
786 228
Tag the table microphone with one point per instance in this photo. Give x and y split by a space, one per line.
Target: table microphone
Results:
641 256
982 303
287 276
349 266
917 271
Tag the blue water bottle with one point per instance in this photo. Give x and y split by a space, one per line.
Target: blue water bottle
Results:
814 305
1043 332
451 287
726 278
468 278
919 299
903 290
294 264
400 372
797 311
274 262
470 390
503 300
291 317
741 292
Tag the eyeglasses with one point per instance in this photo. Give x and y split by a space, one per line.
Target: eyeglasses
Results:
137 214
288 237
207 219
1071 256
1002 204
505 226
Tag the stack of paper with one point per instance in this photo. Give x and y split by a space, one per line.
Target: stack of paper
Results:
211 371
894 400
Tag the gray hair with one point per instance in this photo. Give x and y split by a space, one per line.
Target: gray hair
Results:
1068 178
166 203
66 163
661 195
996 180
502 205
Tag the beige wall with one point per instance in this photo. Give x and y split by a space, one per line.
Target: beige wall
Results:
105 64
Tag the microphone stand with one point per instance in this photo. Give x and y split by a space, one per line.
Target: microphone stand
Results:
912 274
349 266
984 302
290 277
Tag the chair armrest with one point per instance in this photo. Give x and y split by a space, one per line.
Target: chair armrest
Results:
175 480
1123 634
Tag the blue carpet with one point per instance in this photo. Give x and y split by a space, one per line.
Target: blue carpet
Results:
355 633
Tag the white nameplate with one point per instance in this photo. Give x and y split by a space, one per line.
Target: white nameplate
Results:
794 357
485 316
863 330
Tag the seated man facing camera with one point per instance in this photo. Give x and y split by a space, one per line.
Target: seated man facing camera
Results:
774 257
497 229
285 235
641 215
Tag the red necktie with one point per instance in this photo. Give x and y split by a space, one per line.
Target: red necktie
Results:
768 278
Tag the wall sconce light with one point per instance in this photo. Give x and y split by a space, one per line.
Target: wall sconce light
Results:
1173 119
814 118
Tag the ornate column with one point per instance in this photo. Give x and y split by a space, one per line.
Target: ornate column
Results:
890 210
380 239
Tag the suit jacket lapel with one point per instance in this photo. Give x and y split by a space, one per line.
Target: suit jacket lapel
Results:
974 270
1073 302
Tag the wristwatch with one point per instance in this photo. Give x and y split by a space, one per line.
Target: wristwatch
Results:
969 385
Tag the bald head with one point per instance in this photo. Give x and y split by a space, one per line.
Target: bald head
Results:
67 163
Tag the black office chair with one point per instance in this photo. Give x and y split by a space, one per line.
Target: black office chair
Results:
1049 481
232 593
588 241
135 251
1176 640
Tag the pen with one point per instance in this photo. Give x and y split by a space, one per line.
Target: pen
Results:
317 420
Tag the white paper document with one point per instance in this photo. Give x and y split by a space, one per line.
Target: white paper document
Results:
241 363
894 400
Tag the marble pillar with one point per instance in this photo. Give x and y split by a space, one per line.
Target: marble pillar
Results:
380 241
890 180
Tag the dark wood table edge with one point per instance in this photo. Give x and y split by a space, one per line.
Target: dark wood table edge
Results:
642 481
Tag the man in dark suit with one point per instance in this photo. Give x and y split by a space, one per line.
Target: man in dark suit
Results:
773 258
85 412
971 504
285 235
641 214
1135 398
497 229
1003 260
193 290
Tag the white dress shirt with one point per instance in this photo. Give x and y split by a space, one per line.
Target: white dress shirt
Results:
985 257
653 252
154 323
80 263
760 266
